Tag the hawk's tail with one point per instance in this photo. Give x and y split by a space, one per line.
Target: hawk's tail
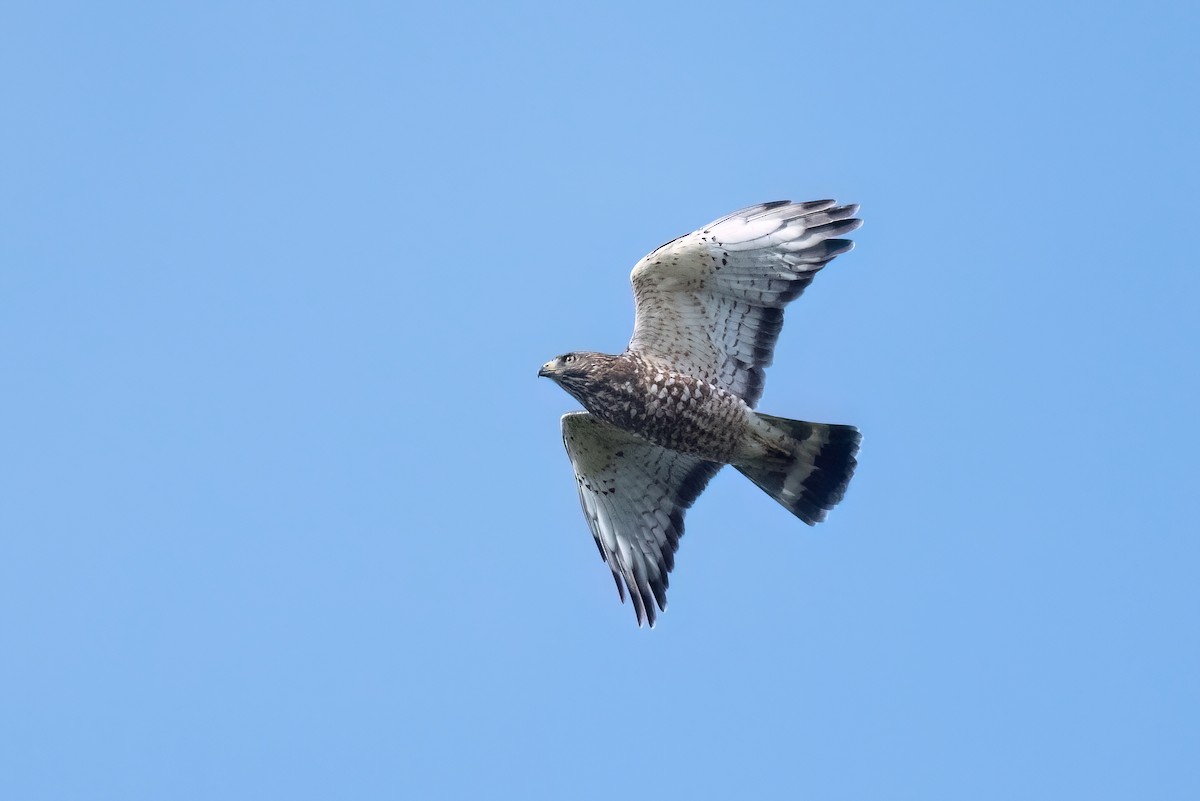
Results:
815 477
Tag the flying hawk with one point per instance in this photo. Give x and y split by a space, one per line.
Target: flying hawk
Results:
664 416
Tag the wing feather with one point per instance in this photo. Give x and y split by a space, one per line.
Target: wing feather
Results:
710 303
633 494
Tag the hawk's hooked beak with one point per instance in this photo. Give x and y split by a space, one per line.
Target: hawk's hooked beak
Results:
547 370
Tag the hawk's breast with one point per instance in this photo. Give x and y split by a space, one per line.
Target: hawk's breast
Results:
670 409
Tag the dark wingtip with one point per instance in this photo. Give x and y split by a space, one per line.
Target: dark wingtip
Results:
620 587
831 248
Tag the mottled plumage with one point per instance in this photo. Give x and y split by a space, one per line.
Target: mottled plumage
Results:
665 415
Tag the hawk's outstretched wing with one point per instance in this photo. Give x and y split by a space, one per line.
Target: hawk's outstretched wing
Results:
633 494
710 304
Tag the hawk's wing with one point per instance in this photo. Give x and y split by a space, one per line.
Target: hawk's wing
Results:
711 303
633 494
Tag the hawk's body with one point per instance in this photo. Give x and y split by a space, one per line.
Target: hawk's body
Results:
671 409
666 414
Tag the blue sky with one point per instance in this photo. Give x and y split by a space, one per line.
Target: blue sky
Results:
286 512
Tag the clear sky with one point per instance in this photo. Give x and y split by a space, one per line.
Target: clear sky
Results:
285 511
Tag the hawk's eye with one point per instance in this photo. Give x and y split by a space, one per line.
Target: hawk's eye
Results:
570 357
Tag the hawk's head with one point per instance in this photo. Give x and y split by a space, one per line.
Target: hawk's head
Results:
577 372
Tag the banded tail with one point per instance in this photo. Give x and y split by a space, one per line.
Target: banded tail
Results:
815 478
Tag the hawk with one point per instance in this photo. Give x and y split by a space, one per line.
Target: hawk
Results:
664 416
